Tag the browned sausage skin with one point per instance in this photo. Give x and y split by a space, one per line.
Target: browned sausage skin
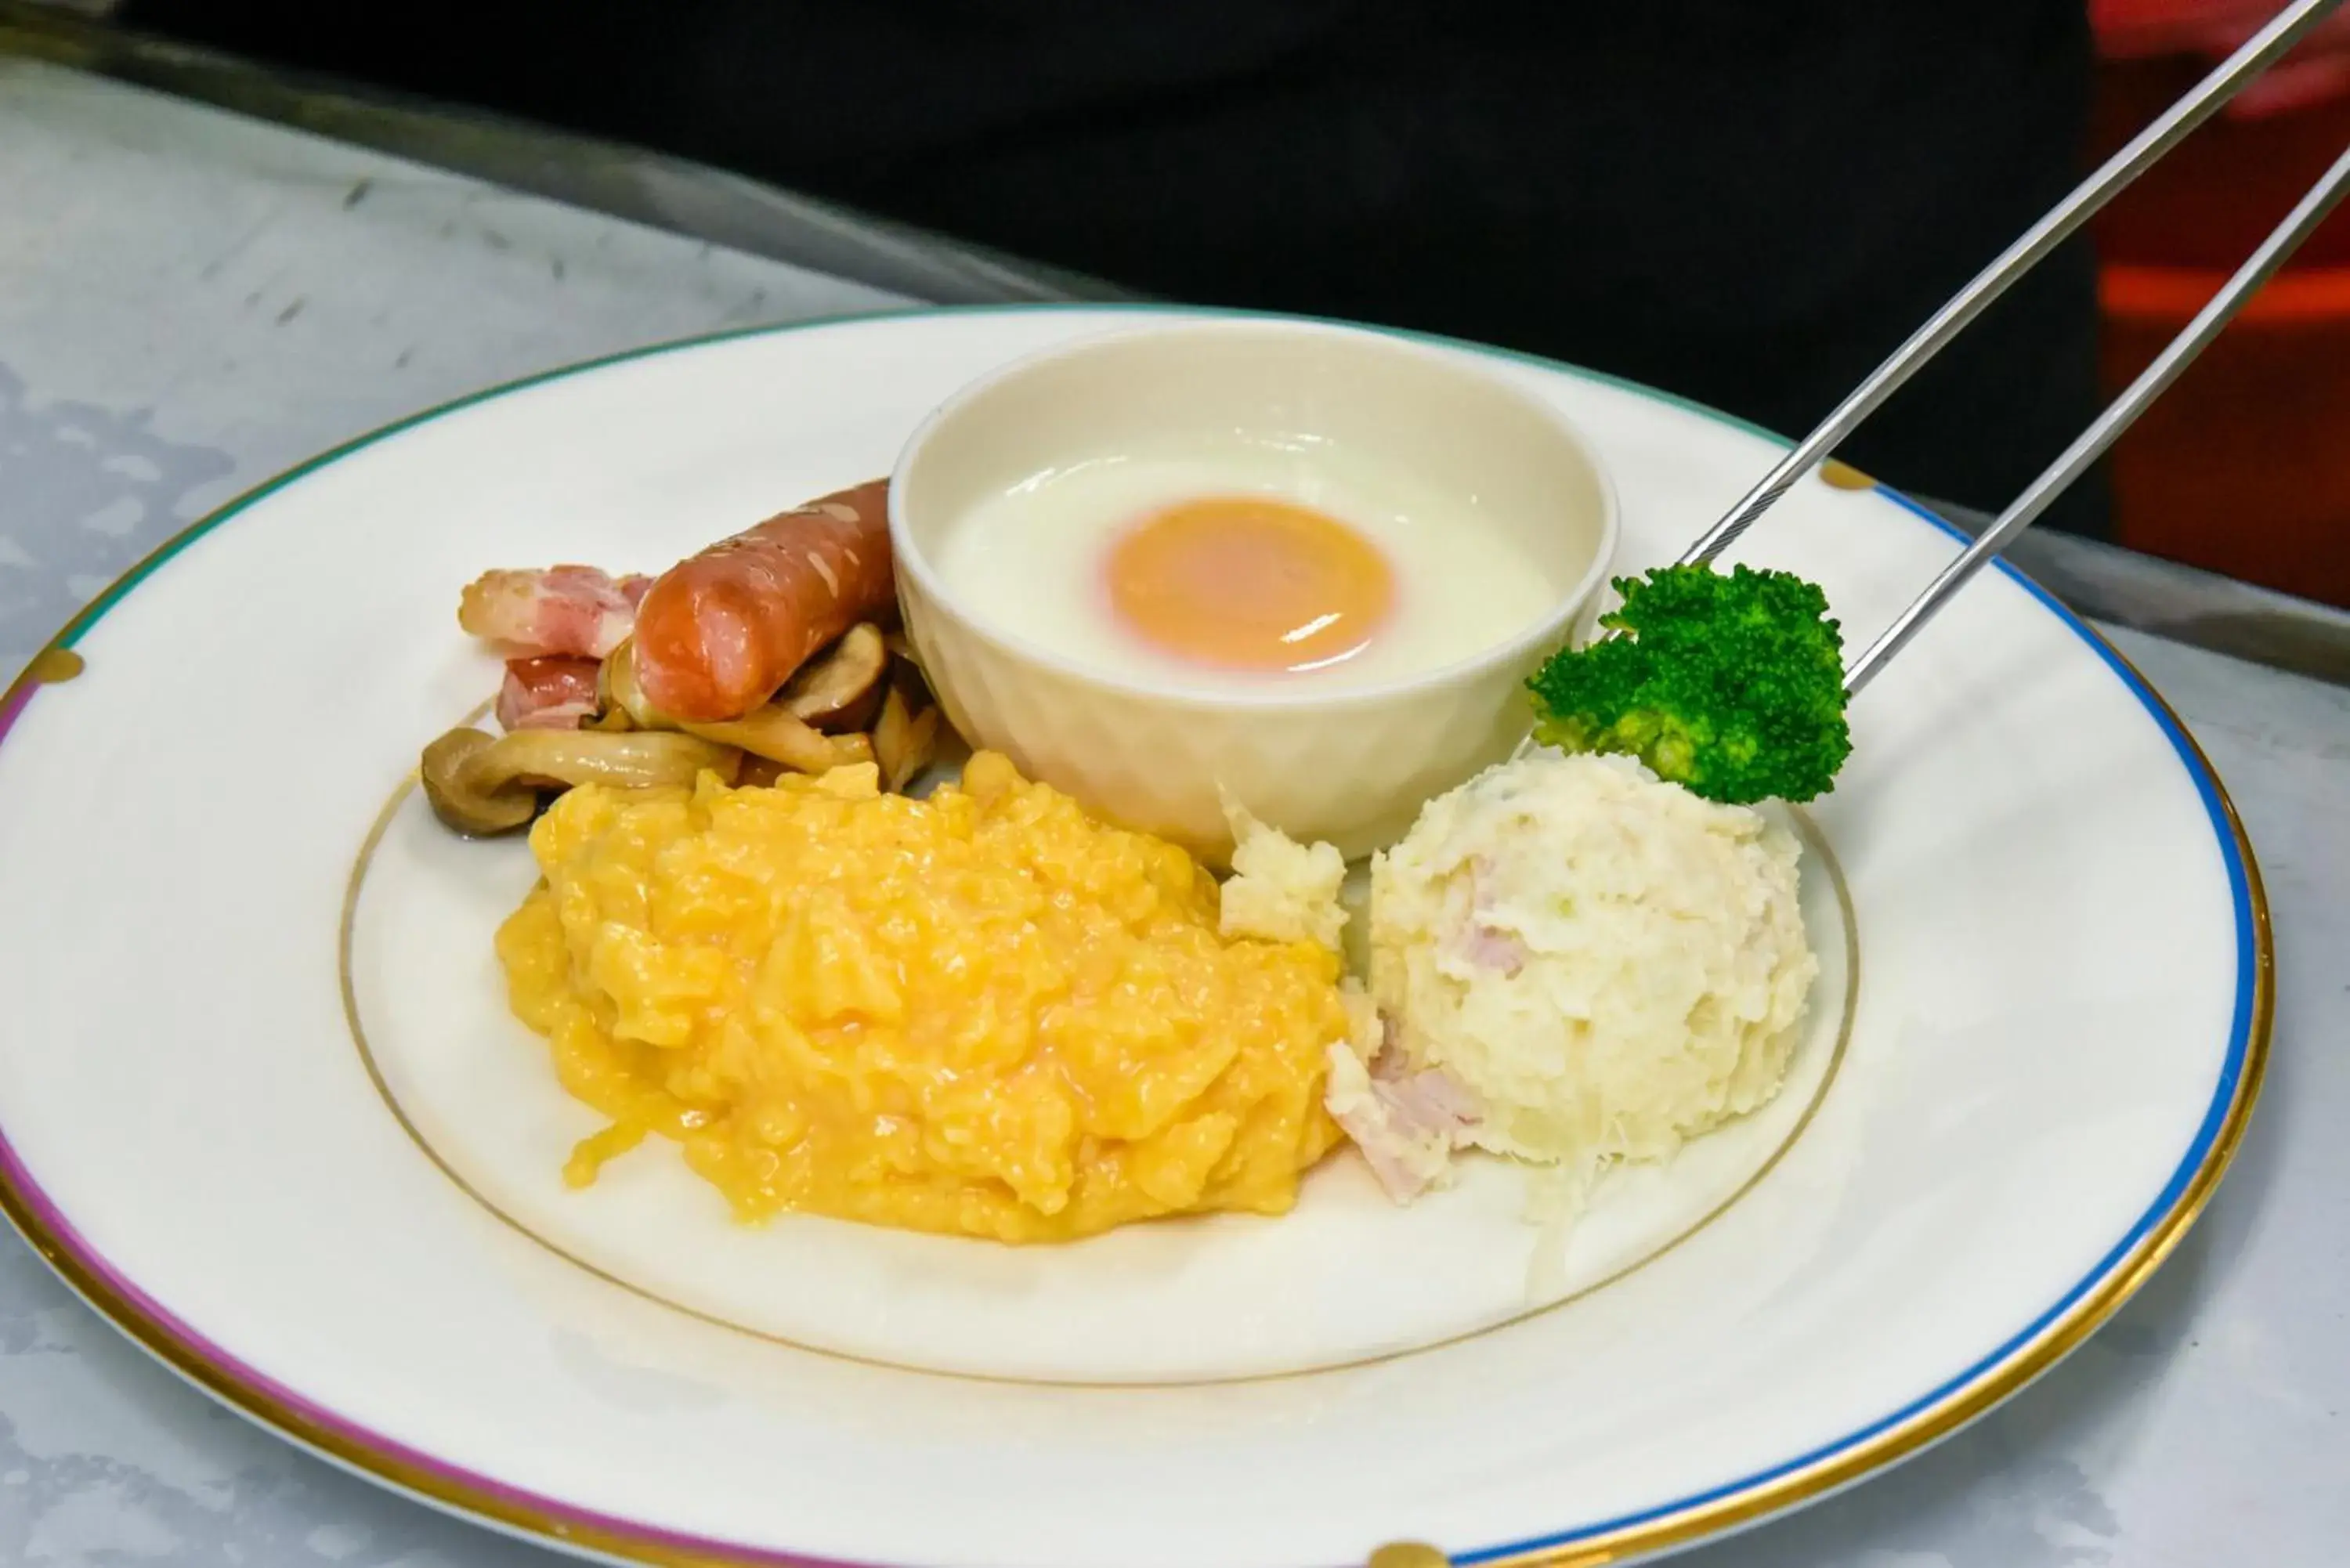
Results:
720 631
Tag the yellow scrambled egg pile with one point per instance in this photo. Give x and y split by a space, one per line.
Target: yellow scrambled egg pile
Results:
983 1012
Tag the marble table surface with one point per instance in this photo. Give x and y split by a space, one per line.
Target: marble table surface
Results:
190 301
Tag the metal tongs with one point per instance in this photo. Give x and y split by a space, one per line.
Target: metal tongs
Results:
2142 153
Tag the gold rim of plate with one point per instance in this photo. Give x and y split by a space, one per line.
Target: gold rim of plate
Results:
423 1477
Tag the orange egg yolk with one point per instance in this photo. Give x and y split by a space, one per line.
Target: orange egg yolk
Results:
1249 582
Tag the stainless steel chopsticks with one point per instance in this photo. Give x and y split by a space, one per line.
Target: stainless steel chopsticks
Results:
2306 215
2142 153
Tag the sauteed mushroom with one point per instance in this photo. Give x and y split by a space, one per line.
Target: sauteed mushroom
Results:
772 733
836 682
482 785
769 731
904 741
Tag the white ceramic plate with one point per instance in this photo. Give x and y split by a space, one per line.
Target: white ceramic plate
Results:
260 1102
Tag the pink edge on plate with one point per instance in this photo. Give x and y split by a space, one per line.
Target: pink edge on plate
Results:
249 1390
15 706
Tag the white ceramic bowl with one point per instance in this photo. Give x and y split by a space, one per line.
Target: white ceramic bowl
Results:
1349 767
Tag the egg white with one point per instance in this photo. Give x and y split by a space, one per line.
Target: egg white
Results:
1031 562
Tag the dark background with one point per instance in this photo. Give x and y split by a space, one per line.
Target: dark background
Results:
1747 201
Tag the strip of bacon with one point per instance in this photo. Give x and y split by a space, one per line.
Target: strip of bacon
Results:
1476 943
1488 946
1425 1099
560 610
1407 1121
553 693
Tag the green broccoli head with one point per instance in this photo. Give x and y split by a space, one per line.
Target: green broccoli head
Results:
1731 685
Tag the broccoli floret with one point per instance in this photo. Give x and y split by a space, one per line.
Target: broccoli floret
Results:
1731 686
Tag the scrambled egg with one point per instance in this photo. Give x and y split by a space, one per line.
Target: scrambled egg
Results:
981 1013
